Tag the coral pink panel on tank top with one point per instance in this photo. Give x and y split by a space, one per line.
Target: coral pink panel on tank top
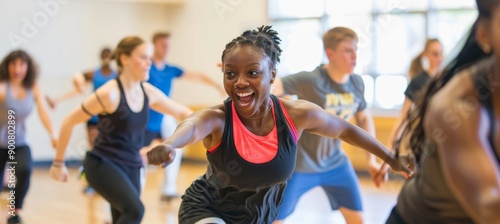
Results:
253 148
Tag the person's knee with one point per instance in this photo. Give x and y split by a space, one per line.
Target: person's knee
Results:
139 211
211 220
23 171
135 212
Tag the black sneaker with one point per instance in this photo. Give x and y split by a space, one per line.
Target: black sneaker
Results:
15 220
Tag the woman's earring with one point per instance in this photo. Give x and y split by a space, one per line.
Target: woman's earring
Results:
487 48
424 61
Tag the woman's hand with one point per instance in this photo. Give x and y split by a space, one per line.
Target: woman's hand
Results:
403 164
378 172
52 103
58 171
161 154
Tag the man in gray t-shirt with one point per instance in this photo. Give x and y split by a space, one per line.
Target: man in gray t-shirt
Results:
319 154
321 161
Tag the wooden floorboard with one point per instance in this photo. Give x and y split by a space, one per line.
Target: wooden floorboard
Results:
50 202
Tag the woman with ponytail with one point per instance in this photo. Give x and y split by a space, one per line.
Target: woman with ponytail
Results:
251 138
454 135
428 61
422 68
113 166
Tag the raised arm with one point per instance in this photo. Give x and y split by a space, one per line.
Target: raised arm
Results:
68 95
81 79
205 124
467 161
158 101
364 120
82 113
312 118
204 78
44 114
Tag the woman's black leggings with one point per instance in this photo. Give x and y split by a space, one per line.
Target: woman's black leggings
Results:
119 185
19 166
395 217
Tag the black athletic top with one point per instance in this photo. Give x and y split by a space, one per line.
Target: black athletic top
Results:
426 198
416 85
121 133
237 190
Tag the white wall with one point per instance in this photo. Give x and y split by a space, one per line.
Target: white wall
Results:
70 39
200 34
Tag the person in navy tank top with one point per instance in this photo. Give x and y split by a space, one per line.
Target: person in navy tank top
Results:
160 127
96 78
251 138
19 93
113 166
453 132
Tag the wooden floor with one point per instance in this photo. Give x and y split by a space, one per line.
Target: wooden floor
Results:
50 202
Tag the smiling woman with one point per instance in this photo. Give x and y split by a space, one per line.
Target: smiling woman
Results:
251 138
246 75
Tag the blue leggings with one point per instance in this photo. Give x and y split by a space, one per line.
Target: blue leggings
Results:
340 184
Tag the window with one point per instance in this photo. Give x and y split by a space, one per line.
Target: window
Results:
369 89
361 24
302 47
389 90
390 6
382 59
453 4
295 9
399 38
450 26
